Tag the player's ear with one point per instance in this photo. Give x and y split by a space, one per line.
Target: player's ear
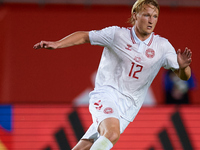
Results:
134 15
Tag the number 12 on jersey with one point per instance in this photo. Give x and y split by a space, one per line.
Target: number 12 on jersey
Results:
138 69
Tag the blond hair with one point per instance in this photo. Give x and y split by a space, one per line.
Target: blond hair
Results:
137 7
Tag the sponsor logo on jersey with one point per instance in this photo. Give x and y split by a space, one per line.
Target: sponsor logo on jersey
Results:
150 53
108 110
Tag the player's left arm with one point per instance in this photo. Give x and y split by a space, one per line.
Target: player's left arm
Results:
184 60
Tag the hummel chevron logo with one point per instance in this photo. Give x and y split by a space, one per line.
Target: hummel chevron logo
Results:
128 47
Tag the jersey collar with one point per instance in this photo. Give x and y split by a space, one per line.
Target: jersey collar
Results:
135 39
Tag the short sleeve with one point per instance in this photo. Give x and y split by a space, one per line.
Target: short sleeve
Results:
170 57
102 37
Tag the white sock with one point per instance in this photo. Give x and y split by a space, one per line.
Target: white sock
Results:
102 143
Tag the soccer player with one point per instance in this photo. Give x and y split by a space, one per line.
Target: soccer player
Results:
130 61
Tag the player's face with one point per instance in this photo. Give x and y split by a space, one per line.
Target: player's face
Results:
146 20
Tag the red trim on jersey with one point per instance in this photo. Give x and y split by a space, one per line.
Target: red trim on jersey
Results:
132 38
151 40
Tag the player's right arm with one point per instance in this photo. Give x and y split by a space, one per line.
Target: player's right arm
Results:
75 38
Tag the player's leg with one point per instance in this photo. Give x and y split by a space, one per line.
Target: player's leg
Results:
83 144
109 130
88 139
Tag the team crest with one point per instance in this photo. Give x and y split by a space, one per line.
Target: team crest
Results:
150 53
108 110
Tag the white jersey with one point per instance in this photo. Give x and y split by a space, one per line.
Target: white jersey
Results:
130 65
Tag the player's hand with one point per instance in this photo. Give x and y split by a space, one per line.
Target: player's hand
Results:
46 45
184 58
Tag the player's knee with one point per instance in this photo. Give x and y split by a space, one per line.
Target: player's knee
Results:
113 136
